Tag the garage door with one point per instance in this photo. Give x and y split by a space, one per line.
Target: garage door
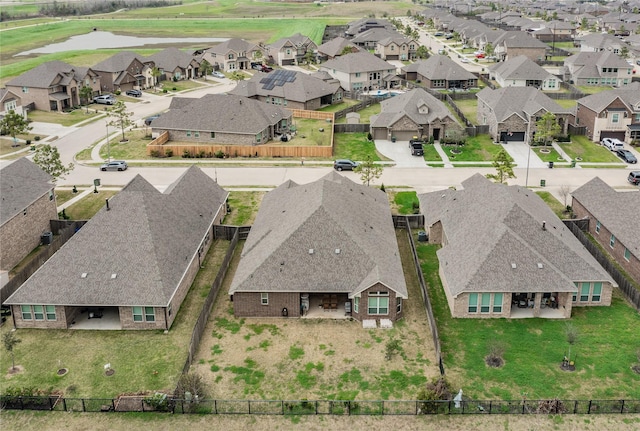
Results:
379 133
405 135
616 135
511 136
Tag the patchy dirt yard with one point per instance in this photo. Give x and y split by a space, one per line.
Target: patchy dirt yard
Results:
291 359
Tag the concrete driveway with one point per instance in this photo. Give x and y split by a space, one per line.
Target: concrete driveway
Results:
518 152
399 152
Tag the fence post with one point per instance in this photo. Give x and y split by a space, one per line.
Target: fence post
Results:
523 404
490 406
622 407
51 404
249 405
64 404
575 407
382 407
83 408
282 406
316 406
589 410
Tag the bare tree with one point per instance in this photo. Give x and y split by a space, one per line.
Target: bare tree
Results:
9 340
565 190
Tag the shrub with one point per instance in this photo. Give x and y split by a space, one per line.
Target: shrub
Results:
391 348
218 154
164 90
191 388
37 138
168 152
436 390
369 137
155 153
174 88
118 92
158 401
28 142
186 154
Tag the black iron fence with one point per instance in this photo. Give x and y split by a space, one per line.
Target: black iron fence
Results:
325 407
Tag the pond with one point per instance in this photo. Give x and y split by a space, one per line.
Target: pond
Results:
105 39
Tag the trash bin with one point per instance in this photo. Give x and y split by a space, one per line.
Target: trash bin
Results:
393 139
550 165
46 238
573 163
422 236
543 183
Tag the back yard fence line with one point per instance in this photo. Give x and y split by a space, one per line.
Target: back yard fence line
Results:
327 407
625 286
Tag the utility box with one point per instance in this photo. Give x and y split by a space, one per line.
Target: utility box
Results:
46 238
543 183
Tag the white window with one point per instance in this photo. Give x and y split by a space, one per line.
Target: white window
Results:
627 254
38 312
485 303
10 105
378 303
264 298
615 118
196 134
597 226
26 312
612 241
188 133
51 312
473 303
25 89
356 304
596 292
146 314
497 302
584 292
137 314
398 305
149 314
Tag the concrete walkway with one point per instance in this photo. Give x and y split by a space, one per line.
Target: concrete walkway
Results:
443 155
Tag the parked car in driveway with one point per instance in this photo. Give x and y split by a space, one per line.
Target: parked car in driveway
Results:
612 143
634 177
134 93
116 165
627 156
218 74
105 99
344 165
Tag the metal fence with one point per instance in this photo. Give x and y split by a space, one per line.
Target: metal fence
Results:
326 407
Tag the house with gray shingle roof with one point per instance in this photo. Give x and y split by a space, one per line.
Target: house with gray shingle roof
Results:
335 48
27 206
439 71
396 47
292 50
295 90
597 42
234 54
522 72
512 112
53 86
415 113
222 119
611 215
356 27
132 264
124 71
369 39
611 114
597 68
175 64
10 101
516 259
514 43
360 71
308 247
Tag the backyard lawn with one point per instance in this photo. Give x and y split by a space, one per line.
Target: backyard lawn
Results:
365 114
403 202
469 107
354 146
88 206
476 149
588 151
566 103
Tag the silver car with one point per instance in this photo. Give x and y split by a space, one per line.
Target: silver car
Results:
107 99
116 165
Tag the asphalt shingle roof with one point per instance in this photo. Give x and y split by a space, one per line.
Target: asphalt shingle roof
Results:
629 94
519 39
147 239
297 86
440 67
22 182
520 67
524 101
46 74
589 64
409 104
310 238
357 62
171 58
335 46
119 62
491 226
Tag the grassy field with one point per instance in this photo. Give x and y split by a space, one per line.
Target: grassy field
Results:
469 108
606 349
403 202
476 149
566 103
354 146
64 119
582 147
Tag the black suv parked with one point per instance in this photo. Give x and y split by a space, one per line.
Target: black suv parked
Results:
416 147
344 165
634 177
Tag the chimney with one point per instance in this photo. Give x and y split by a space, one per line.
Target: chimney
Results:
544 225
107 201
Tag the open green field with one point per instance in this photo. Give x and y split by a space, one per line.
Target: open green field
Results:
606 349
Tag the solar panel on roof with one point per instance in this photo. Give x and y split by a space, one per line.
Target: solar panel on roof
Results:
277 78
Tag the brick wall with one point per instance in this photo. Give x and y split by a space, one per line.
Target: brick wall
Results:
586 117
248 304
60 322
126 319
532 54
220 138
21 234
38 96
364 301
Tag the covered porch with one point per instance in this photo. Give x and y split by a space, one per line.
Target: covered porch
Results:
546 305
325 306
96 318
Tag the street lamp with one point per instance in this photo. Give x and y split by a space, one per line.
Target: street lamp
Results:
108 145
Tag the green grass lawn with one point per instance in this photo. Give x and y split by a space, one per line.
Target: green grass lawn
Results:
404 202
64 119
354 146
134 149
339 106
180 85
593 89
605 350
63 196
88 206
476 149
365 114
551 156
566 103
553 203
430 153
588 151
244 207
469 108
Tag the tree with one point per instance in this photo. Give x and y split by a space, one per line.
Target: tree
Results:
48 158
155 73
85 95
14 124
624 52
368 171
120 117
309 56
422 52
504 168
584 24
488 48
348 50
206 68
9 340
237 76
547 128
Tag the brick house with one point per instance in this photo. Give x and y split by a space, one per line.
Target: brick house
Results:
611 114
53 86
230 119
522 72
132 264
308 250
396 47
359 71
514 43
292 50
175 64
335 48
415 113
439 71
124 71
291 89
28 205
512 112
10 101
517 259
233 54
610 214
597 68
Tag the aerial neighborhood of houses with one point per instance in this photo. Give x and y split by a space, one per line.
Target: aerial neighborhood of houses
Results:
522 81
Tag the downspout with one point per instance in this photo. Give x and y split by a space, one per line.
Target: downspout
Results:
166 320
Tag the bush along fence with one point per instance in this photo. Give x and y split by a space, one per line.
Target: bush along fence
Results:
322 407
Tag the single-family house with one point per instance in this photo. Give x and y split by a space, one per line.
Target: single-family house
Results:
132 264
514 43
555 31
364 24
512 112
397 47
611 114
439 71
360 71
28 206
291 89
292 50
598 42
414 113
611 215
369 39
233 54
597 68
10 101
175 64
335 47
520 71
308 250
53 86
229 119
124 71
517 258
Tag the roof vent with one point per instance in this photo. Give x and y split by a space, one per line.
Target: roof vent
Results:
337 251
310 251
544 225
83 275
113 276
513 265
540 266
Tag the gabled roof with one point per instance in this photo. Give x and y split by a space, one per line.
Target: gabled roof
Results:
336 46
440 67
357 62
172 58
398 39
364 24
629 95
235 45
288 84
599 40
520 67
22 182
617 211
589 64
147 239
308 238
120 62
374 35
519 39
412 104
296 40
507 229
49 73
522 101
224 114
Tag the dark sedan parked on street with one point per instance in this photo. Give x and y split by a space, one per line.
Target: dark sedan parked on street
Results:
627 156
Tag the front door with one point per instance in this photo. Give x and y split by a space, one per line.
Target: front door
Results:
436 134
